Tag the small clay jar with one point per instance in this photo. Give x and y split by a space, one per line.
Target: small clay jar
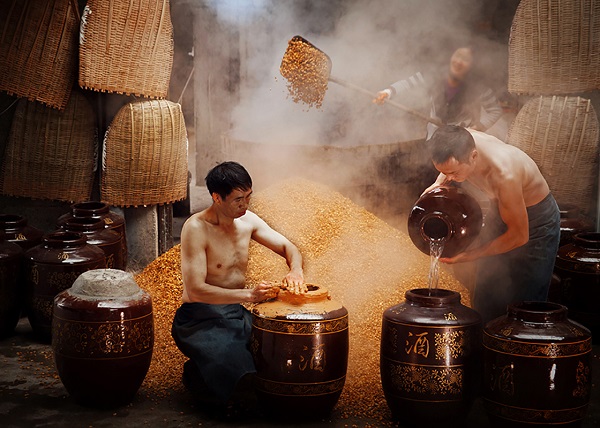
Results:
577 266
103 337
96 234
11 287
430 358
537 367
17 230
446 215
572 222
99 210
52 267
300 348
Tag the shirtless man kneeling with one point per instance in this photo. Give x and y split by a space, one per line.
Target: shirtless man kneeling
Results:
211 327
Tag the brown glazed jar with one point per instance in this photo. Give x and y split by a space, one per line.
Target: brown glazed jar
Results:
11 287
448 215
17 230
52 267
100 210
430 358
96 234
300 348
537 367
103 337
578 267
572 222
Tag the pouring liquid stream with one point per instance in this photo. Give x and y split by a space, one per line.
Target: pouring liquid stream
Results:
436 247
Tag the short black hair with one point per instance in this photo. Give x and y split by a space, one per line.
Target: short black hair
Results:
227 176
451 141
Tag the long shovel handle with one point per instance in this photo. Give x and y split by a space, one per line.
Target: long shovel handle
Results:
390 102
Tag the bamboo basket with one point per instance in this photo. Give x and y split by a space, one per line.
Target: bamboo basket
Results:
126 47
561 135
51 154
145 155
38 49
554 47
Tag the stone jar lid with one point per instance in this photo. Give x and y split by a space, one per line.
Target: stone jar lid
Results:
97 284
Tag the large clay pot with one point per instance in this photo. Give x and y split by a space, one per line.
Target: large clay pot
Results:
17 230
100 210
447 215
11 287
572 222
103 337
300 348
96 234
578 267
52 267
430 358
537 367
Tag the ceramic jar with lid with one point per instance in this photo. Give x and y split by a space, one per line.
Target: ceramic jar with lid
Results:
52 267
300 348
447 215
537 367
430 358
103 337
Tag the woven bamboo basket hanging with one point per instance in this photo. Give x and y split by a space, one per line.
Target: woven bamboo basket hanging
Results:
51 154
561 135
554 47
126 47
38 49
144 161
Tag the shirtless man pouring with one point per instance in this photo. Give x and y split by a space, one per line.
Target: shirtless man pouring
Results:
516 263
211 327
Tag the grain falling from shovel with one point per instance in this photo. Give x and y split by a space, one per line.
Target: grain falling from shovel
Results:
306 69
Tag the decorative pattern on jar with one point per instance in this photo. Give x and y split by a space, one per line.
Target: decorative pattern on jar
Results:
430 358
578 268
11 287
52 267
537 367
103 337
447 215
108 240
17 230
100 210
300 348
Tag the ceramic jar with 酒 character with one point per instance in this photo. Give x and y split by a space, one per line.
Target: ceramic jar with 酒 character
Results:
17 229
300 348
11 288
430 358
52 267
103 337
577 266
96 234
102 211
537 367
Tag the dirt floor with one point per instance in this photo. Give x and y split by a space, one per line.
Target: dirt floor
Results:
32 395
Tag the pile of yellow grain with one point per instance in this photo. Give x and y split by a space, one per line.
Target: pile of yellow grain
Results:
366 265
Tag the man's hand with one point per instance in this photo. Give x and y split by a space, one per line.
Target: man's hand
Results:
294 283
381 97
264 291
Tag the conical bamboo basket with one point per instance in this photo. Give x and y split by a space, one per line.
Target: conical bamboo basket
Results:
126 47
145 155
38 49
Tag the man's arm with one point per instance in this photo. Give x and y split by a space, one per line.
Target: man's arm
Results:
194 272
276 242
513 212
